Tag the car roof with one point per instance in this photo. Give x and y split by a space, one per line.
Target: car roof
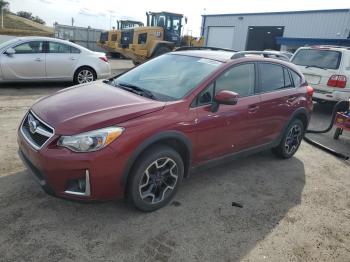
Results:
218 55
44 38
327 47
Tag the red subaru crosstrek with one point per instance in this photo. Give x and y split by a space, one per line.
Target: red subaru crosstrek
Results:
138 134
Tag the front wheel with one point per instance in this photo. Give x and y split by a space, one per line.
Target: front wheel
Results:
84 75
291 140
155 178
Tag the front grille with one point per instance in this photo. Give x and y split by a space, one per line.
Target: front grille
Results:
35 131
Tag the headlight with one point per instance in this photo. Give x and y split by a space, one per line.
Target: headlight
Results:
91 141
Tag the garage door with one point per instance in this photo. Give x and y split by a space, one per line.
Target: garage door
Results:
220 36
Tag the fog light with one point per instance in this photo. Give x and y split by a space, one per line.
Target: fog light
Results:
79 187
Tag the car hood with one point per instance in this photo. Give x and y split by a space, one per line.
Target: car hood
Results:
92 106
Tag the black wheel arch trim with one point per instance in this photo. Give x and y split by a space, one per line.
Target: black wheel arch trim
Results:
152 141
300 111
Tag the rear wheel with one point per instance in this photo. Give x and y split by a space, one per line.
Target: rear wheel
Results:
155 178
291 140
84 75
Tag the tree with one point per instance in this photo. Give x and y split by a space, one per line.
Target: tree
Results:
30 16
3 3
38 20
25 14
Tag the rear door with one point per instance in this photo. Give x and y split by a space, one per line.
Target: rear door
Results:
232 127
61 60
279 99
28 62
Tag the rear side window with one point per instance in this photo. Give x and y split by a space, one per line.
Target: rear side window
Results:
296 78
239 79
271 77
327 59
59 48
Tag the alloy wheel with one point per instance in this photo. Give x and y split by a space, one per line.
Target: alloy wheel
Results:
293 139
158 180
85 76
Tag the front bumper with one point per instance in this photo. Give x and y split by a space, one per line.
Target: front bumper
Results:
54 168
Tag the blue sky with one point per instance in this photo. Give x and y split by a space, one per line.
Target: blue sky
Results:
104 13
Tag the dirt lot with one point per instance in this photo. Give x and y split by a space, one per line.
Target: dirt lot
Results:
293 210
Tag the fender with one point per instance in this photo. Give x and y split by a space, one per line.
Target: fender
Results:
153 140
299 111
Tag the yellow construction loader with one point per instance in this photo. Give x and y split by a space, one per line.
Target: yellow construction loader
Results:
109 40
161 35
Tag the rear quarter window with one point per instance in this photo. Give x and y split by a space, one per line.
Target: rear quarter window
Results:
328 59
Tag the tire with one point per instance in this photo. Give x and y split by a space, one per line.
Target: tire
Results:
84 75
155 178
161 51
337 133
291 140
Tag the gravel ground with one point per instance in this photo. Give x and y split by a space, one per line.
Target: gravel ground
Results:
293 210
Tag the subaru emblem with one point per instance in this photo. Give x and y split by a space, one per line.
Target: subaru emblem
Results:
33 124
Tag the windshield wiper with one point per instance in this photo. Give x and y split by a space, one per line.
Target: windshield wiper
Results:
135 89
316 66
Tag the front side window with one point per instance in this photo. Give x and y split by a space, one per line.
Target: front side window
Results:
271 77
55 47
320 58
33 47
170 76
239 79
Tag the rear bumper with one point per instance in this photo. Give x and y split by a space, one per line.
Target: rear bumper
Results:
333 96
104 72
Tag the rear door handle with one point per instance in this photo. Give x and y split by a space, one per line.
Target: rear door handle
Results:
38 59
291 99
253 108
73 58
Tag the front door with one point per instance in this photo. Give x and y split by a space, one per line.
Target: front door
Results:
233 127
28 62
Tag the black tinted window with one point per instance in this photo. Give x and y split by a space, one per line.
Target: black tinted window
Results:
29 48
206 96
239 79
296 78
287 81
271 77
317 57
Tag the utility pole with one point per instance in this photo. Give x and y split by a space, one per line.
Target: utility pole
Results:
2 14
72 21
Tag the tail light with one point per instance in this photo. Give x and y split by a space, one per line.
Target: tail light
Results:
104 58
337 81
309 91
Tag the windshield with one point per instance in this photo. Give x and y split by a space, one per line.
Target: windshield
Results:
170 76
9 42
318 58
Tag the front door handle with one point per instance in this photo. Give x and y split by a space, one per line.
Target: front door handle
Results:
253 109
38 59
73 58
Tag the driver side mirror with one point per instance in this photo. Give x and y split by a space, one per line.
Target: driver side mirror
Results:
10 52
224 97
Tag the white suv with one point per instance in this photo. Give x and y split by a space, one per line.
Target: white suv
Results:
327 70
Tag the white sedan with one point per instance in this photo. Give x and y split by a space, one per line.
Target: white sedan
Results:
50 59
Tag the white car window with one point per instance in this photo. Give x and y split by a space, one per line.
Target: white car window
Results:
29 48
55 47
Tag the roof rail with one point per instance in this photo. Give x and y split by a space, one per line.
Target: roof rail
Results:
268 54
185 48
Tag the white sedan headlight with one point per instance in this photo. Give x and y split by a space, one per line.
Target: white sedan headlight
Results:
91 141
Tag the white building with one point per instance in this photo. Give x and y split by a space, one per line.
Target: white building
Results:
278 30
